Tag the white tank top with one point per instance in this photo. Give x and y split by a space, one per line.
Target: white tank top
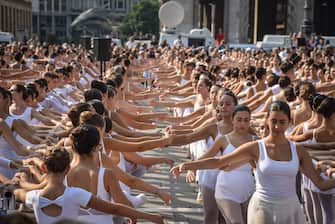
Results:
276 179
208 177
25 116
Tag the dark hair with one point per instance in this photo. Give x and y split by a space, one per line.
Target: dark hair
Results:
3 92
289 93
108 124
260 72
85 138
251 70
21 89
232 95
76 110
111 82
327 107
16 218
190 64
118 80
92 94
32 90
43 83
280 106
57 160
284 82
272 80
51 75
18 56
8 95
207 82
92 118
96 84
111 91
285 67
126 62
239 108
306 92
98 106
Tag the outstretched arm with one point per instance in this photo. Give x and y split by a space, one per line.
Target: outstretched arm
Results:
245 153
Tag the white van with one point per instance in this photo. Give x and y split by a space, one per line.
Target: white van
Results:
6 38
272 41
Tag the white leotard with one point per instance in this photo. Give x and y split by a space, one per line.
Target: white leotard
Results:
70 202
208 177
197 146
275 180
236 185
91 215
6 151
25 116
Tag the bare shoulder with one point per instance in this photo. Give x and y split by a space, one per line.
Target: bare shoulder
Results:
251 148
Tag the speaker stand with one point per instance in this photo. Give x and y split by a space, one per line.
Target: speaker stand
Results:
102 69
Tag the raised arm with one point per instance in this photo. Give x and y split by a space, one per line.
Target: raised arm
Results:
245 153
121 146
134 182
308 169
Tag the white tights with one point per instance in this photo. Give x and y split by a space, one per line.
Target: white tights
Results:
312 207
211 210
327 203
233 212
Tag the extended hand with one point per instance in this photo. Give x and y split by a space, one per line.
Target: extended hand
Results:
177 170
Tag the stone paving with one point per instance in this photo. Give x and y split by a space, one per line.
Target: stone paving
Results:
184 208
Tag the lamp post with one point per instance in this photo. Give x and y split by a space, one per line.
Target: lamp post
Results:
306 26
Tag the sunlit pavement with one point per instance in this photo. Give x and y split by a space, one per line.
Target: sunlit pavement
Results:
184 208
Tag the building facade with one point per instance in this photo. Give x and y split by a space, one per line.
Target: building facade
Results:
16 18
53 18
247 21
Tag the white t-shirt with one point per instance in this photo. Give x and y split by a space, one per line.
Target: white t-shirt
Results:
70 202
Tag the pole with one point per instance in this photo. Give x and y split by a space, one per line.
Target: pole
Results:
101 70
213 19
201 15
306 26
255 21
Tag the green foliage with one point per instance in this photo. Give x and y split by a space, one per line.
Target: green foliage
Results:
142 18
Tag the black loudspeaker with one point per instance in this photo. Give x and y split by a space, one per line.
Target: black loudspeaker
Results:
102 49
301 42
86 42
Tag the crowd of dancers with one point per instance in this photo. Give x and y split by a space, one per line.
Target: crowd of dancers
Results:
258 127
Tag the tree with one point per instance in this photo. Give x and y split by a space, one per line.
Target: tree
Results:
142 18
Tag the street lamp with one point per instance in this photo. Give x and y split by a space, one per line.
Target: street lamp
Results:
306 26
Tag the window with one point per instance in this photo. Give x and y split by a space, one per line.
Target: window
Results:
63 5
281 15
60 21
34 24
56 5
2 15
77 5
42 5
49 3
120 4
60 33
